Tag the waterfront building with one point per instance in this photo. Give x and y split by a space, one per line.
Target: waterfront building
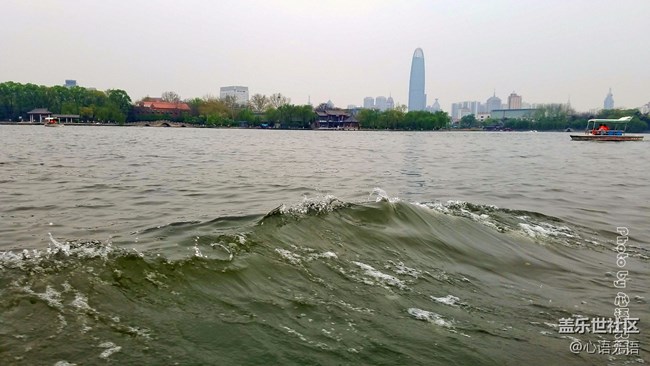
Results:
239 92
369 102
512 113
482 117
417 97
514 101
609 100
38 115
155 106
334 119
70 83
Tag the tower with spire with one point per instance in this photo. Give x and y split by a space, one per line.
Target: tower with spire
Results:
417 97
493 103
609 100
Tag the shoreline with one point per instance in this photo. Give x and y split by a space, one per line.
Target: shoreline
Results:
189 125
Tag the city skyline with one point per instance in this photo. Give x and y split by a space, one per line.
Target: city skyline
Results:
549 52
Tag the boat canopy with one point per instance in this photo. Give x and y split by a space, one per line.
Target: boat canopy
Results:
620 120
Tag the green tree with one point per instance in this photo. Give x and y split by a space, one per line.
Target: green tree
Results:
468 121
368 118
120 99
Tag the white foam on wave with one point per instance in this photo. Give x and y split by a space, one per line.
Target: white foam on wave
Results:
324 204
326 255
429 316
447 300
110 349
401 269
55 250
544 230
380 276
459 208
51 296
92 249
80 302
382 196
291 257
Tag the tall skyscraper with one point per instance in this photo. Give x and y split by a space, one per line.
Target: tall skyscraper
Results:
417 98
368 102
609 100
514 101
380 103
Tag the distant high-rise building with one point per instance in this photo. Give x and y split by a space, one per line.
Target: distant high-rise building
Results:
368 102
380 103
417 97
70 83
609 100
390 103
514 101
239 92
461 109
493 103
435 107
645 108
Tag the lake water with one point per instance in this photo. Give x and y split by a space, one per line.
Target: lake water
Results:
217 246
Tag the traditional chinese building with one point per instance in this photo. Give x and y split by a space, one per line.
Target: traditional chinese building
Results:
159 107
335 119
38 114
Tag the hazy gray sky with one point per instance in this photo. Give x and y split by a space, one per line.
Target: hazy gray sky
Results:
343 50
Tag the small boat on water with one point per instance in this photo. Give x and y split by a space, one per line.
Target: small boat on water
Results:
606 133
52 122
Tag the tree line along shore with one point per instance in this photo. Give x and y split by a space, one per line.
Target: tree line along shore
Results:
115 106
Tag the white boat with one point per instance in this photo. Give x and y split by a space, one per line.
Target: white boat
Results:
604 133
52 122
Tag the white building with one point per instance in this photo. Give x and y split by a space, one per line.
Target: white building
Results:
390 103
481 117
381 103
368 102
239 92
435 107
462 109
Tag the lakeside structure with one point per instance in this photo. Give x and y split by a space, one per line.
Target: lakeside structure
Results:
40 115
417 96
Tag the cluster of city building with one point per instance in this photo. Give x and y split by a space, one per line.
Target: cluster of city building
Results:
492 108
